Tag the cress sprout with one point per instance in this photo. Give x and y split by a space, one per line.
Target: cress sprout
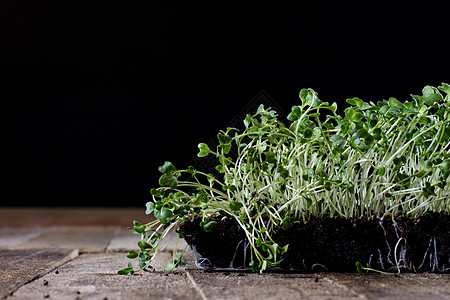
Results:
385 158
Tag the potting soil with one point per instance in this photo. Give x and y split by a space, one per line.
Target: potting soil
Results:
333 244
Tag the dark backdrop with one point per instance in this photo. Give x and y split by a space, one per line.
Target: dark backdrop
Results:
95 97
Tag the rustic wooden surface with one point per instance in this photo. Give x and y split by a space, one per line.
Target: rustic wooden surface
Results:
51 254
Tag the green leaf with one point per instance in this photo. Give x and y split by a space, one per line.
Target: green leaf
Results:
133 231
168 180
432 99
286 223
224 138
307 133
427 166
132 254
384 109
295 114
260 109
175 264
155 237
259 242
210 179
332 107
338 141
157 193
282 171
363 133
362 139
344 126
150 207
430 96
360 268
191 170
168 167
209 226
441 113
164 216
445 165
284 249
355 101
393 102
376 133
353 115
270 157
126 271
427 90
230 187
445 87
138 227
428 190
263 266
235 205
446 133
381 171
254 129
144 245
143 258
226 148
248 120
220 169
422 120
204 150
309 97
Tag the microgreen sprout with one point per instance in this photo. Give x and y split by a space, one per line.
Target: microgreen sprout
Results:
385 158
361 269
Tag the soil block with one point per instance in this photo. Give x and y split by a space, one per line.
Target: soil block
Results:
333 244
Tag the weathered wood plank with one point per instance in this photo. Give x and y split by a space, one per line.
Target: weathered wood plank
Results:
87 239
18 267
93 276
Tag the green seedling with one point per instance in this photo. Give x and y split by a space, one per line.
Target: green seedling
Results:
361 269
391 157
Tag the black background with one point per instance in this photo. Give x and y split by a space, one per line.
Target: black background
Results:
95 96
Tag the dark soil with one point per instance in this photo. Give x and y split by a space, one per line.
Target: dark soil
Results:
334 244
223 247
